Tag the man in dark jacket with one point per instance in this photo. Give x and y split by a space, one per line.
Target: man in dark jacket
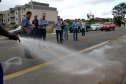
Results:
62 26
35 23
11 36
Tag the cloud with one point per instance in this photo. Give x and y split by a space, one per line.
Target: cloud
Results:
6 4
98 1
106 13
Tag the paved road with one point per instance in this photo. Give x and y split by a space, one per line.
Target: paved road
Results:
45 52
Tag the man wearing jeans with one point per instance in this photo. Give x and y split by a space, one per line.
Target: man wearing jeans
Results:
58 24
11 36
42 27
26 30
75 28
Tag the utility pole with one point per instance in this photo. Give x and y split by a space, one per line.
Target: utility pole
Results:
32 8
90 16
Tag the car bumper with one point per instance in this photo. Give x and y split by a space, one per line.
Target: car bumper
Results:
105 28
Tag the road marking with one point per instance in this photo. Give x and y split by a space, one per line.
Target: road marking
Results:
16 47
50 62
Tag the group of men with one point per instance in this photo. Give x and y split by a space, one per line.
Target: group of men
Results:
38 25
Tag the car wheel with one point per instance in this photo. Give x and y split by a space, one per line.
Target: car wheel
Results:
101 29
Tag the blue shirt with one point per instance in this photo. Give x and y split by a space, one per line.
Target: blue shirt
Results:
35 23
42 23
75 23
25 22
0 25
58 25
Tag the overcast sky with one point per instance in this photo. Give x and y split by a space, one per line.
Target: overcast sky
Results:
72 8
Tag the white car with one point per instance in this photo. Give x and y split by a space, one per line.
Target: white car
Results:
95 27
16 31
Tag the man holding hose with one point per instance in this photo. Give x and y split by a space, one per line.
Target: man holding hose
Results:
11 36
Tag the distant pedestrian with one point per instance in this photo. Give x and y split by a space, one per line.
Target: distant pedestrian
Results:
42 27
26 30
66 29
35 30
58 24
62 26
75 28
83 28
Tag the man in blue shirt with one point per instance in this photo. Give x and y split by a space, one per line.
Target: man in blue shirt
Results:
26 30
35 30
42 26
26 25
75 28
58 24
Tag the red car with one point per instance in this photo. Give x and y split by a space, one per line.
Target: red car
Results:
108 26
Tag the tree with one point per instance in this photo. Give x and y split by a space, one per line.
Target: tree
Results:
117 20
90 16
119 13
119 10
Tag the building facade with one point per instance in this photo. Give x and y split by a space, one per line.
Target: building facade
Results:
14 16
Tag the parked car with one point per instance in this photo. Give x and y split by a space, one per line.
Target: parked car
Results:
16 31
79 28
108 26
95 27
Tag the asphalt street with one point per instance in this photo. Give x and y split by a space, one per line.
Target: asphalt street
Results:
107 66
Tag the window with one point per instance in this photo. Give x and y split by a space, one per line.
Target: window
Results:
4 15
22 11
8 20
8 14
4 20
16 19
16 13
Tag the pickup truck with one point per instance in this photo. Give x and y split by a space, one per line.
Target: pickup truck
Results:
108 26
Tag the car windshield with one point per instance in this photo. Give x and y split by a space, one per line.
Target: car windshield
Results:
106 23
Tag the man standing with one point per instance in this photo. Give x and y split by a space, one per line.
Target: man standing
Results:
62 26
26 25
58 24
26 30
42 27
35 30
11 36
75 28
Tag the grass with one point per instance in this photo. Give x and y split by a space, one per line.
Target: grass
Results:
49 32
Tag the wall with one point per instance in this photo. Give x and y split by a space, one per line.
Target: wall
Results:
50 15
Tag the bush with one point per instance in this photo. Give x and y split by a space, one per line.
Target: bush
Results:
13 27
